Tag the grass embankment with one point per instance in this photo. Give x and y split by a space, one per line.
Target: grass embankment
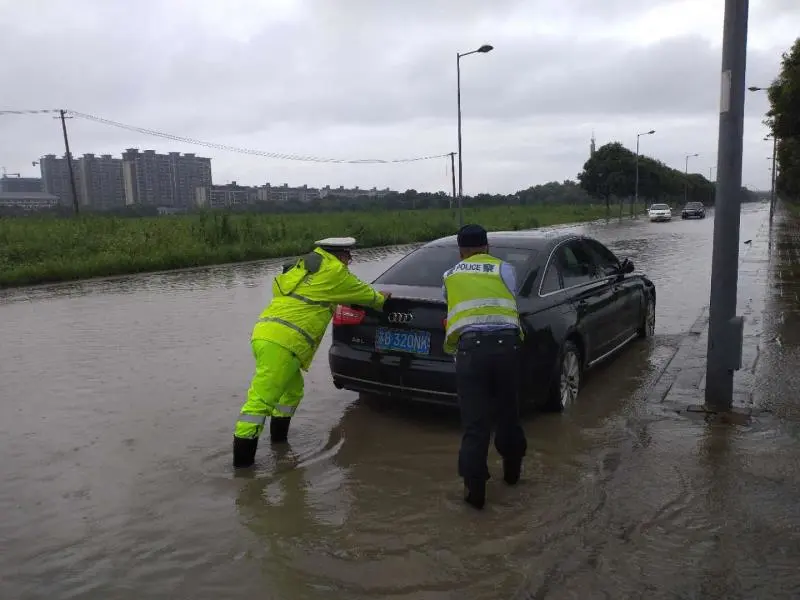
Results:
40 250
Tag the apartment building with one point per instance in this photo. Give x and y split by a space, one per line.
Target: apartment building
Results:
356 192
165 180
98 180
225 196
284 193
55 177
102 183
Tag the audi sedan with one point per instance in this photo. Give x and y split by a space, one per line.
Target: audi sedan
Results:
579 305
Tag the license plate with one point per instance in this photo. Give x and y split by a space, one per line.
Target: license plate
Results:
414 342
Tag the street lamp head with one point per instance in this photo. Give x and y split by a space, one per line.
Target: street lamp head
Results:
754 88
485 48
651 132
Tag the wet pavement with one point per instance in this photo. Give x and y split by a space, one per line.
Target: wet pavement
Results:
118 397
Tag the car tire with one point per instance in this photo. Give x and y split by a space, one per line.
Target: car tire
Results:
567 380
648 326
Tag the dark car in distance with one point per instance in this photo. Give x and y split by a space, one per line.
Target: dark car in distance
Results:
693 210
579 304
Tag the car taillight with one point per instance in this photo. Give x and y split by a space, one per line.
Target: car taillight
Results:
444 323
346 315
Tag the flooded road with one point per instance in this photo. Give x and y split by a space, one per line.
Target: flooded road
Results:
117 405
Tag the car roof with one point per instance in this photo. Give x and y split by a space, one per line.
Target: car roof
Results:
541 241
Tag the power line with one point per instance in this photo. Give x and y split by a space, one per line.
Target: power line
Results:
187 140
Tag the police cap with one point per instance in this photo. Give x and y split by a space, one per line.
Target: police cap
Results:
472 236
336 244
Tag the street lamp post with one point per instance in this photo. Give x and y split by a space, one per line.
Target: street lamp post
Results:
636 188
713 182
773 176
755 88
483 50
686 175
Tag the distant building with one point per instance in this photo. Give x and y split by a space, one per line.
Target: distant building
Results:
225 196
98 180
20 184
28 201
165 180
102 182
284 193
356 192
55 177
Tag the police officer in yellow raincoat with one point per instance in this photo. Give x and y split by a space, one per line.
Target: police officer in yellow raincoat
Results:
288 334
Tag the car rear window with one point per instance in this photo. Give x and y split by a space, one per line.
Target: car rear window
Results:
426 266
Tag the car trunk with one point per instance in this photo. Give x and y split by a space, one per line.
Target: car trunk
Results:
411 326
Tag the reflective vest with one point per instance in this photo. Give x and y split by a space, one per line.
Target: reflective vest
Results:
304 298
477 295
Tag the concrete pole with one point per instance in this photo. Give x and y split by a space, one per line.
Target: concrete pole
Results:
724 330
636 187
460 167
453 175
63 117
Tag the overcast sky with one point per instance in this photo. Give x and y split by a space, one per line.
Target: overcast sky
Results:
362 79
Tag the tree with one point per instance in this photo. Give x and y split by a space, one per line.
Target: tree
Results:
611 171
784 120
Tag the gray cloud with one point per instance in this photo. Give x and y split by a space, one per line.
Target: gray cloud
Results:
364 77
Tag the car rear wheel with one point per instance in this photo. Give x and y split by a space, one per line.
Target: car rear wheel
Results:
648 328
567 384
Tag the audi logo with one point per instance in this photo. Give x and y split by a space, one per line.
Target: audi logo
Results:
397 317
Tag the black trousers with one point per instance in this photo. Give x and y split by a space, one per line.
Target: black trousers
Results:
487 381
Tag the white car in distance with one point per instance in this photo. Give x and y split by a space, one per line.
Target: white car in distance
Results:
660 212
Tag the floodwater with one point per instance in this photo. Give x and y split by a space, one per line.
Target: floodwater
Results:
117 403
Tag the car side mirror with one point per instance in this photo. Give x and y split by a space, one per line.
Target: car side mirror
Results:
626 266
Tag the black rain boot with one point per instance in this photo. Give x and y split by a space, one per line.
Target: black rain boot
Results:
244 452
512 468
279 429
475 492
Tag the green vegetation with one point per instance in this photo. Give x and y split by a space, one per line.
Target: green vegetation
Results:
39 250
611 172
784 120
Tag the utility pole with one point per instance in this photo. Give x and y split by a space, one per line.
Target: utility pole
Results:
453 176
63 117
725 329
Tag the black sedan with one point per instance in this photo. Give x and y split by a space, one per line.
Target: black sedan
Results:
693 210
578 302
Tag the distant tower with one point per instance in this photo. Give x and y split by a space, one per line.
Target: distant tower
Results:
592 146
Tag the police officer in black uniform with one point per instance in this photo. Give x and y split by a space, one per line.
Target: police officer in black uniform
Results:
487 380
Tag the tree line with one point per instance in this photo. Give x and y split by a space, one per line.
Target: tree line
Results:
783 118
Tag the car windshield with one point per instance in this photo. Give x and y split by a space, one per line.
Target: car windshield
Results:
694 205
426 266
659 207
